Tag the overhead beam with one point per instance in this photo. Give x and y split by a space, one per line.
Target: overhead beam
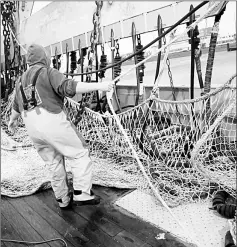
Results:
67 22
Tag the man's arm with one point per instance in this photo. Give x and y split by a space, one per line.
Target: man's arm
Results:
68 87
83 87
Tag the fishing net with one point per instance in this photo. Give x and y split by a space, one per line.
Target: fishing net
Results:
164 135
185 150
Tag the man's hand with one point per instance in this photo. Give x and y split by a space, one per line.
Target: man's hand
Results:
106 86
13 121
12 126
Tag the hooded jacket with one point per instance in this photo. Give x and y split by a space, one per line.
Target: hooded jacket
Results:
51 85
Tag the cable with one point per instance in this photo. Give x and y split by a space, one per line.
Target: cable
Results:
151 43
34 243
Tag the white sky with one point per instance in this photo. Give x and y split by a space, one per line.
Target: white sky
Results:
38 5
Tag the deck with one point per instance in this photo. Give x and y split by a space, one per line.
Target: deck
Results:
38 218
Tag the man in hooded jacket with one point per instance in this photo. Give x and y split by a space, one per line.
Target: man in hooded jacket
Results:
54 136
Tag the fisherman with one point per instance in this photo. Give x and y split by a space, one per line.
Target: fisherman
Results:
54 136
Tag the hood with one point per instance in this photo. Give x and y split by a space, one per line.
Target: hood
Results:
36 54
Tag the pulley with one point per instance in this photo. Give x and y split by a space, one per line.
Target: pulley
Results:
103 63
117 59
117 68
73 61
56 62
140 57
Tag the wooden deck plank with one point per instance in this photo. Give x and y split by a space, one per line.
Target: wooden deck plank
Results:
104 225
38 223
57 222
130 223
144 231
8 232
89 229
20 225
129 240
91 214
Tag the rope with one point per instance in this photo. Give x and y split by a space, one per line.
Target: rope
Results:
187 101
205 136
34 243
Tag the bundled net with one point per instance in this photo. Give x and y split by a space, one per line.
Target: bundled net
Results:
9 140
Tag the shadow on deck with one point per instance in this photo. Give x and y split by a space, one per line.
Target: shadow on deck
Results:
38 218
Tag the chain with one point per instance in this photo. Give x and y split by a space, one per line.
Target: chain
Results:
87 98
170 73
7 9
13 29
95 37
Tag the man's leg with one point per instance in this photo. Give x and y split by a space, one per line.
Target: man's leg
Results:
56 164
71 144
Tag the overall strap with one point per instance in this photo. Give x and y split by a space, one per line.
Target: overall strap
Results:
25 101
31 101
